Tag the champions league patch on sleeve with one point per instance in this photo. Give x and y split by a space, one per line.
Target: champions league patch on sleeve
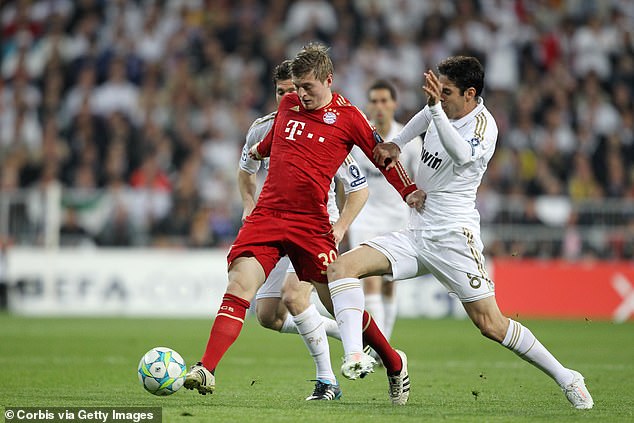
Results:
377 137
359 179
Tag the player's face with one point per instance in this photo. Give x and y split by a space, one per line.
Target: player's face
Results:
452 101
382 106
312 92
282 87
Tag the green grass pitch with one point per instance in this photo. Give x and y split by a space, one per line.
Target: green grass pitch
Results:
456 374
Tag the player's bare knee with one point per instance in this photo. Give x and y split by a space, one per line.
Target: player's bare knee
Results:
339 269
268 321
296 300
490 328
296 304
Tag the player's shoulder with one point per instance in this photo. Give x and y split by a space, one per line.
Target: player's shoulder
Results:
483 124
351 113
289 101
263 119
484 120
259 128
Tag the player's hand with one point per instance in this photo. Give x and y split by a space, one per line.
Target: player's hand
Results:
247 211
386 154
416 199
338 233
253 153
432 87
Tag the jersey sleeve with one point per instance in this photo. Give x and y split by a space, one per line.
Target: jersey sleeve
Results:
366 137
464 149
258 130
351 176
264 147
418 124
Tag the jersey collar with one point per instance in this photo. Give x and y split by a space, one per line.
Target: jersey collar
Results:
469 117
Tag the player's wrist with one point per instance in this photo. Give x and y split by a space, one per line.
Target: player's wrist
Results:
408 190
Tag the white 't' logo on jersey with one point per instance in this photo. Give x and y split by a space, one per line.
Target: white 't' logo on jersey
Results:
294 127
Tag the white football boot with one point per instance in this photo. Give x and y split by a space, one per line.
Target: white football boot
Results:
577 393
357 365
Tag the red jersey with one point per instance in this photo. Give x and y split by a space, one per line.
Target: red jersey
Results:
306 148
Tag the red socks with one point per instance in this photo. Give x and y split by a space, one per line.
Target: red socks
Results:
225 330
373 336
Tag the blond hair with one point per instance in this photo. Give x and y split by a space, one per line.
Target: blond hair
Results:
313 58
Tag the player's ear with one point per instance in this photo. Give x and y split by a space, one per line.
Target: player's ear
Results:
470 94
328 81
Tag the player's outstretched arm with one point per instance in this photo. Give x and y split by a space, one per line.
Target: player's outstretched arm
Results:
247 187
386 154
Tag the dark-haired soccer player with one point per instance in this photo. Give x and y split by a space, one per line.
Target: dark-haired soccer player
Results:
444 237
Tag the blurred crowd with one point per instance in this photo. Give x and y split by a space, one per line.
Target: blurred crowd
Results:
139 109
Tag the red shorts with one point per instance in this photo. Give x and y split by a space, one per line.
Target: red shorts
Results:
269 234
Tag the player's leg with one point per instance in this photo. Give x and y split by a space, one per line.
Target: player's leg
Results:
269 308
310 325
388 291
246 274
486 315
296 298
347 298
455 258
348 303
372 289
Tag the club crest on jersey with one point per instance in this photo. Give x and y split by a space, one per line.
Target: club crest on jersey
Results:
330 118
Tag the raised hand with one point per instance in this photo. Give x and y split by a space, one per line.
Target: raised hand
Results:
432 87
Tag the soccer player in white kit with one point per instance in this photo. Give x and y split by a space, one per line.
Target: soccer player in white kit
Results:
383 212
443 237
283 302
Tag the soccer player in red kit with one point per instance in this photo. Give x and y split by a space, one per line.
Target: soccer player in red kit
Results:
313 132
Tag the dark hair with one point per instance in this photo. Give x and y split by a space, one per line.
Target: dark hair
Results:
313 58
383 84
464 71
282 72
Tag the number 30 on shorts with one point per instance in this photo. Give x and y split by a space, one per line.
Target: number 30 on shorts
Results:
327 258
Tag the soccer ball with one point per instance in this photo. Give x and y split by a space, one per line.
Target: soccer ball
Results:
162 371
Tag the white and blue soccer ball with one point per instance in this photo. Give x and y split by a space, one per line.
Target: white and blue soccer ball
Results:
162 371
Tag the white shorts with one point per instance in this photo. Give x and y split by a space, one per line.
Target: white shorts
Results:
357 237
272 287
453 256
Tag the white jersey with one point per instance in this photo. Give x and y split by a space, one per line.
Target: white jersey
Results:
451 167
348 173
385 210
256 133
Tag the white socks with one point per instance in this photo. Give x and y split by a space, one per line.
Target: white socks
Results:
310 326
389 310
330 325
289 325
348 301
522 342
374 306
